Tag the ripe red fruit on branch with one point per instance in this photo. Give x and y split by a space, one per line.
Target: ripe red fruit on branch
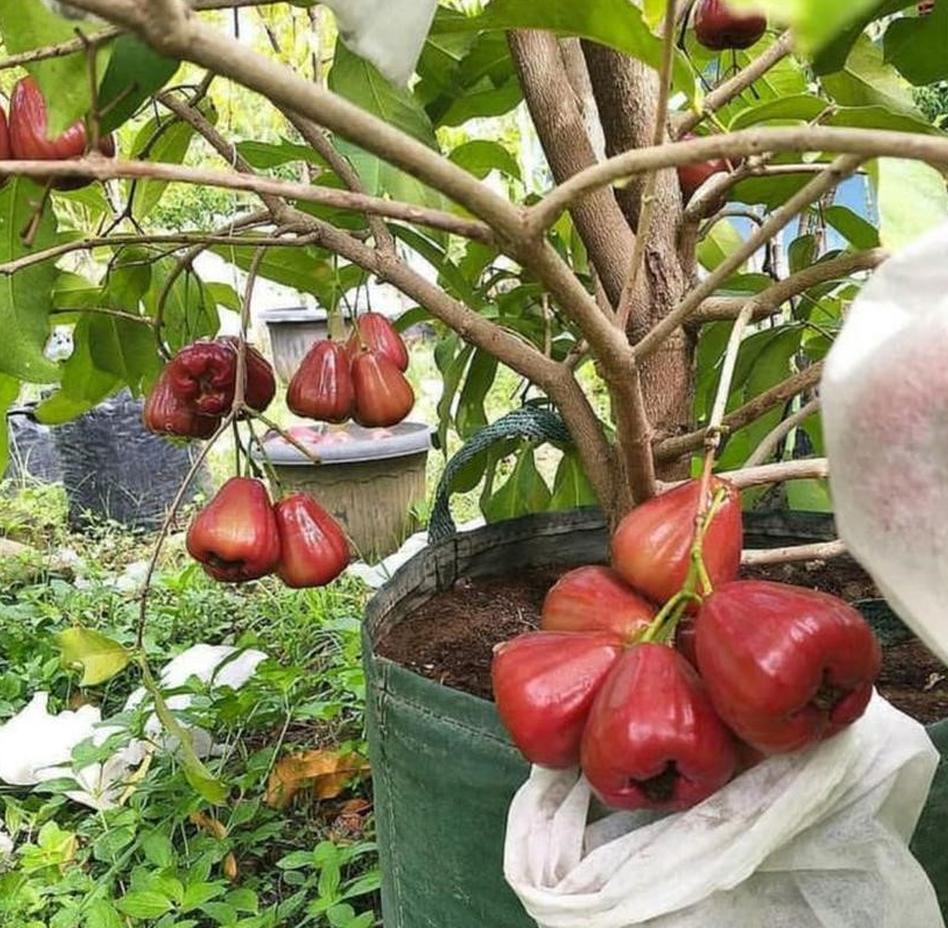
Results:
321 388
591 599
261 381
375 332
235 537
651 549
28 133
313 548
718 27
166 414
204 376
653 739
785 666
544 686
383 397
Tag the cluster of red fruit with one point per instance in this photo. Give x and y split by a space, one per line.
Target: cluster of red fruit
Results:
196 389
25 137
663 707
362 379
240 535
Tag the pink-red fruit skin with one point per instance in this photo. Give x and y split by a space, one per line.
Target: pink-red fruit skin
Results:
321 388
235 537
785 666
653 739
718 27
544 686
166 414
651 549
313 548
374 332
28 126
591 599
383 397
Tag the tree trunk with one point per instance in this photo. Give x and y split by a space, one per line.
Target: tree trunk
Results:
626 93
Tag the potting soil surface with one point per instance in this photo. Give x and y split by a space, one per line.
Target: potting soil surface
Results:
450 638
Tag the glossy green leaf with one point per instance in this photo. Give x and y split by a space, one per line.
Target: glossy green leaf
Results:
911 198
721 241
860 233
481 156
135 72
571 486
100 657
833 55
9 390
523 492
266 155
25 299
471 415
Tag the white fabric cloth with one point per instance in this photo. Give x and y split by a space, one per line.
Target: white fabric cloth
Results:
816 839
389 33
885 421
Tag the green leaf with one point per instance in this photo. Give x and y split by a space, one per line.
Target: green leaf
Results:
615 23
480 157
266 155
197 894
721 242
9 391
190 309
135 72
471 416
916 46
815 23
868 81
100 657
144 905
862 235
833 55
360 83
157 848
25 296
571 486
243 900
483 102
102 914
29 24
525 491
911 197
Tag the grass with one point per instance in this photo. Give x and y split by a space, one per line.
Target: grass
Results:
165 858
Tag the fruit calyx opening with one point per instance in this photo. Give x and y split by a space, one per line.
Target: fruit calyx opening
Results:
661 787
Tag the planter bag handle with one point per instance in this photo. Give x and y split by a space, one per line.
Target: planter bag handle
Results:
530 422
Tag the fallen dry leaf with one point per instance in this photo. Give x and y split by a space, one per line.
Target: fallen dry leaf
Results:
349 823
209 824
327 771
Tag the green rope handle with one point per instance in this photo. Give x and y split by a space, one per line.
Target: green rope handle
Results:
533 423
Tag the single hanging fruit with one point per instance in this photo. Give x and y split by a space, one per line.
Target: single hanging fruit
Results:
651 549
718 27
203 375
313 548
374 332
692 177
383 397
596 599
28 134
653 739
261 381
321 388
166 414
785 666
544 686
235 537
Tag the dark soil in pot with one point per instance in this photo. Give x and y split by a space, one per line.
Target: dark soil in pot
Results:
451 637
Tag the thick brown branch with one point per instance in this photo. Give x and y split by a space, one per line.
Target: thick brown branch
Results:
561 127
778 220
673 448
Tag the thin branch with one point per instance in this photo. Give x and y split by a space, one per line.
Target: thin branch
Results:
644 232
675 447
722 95
102 311
204 239
104 169
773 438
822 551
778 220
768 302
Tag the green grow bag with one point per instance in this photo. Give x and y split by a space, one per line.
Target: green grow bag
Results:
444 770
